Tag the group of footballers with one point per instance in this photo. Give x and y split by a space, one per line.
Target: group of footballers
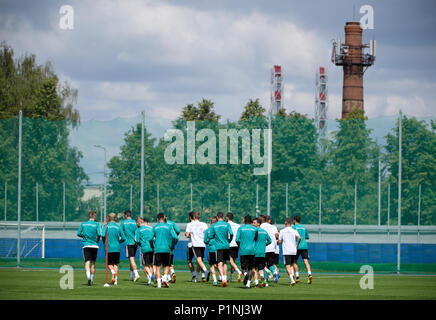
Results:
256 242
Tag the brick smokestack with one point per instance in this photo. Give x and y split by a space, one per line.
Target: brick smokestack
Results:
352 94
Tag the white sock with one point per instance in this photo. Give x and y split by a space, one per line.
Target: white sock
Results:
112 271
193 273
214 277
136 273
292 278
131 274
297 274
92 277
203 275
309 273
159 283
224 278
220 278
172 271
205 269
238 271
88 275
292 272
248 283
256 282
196 275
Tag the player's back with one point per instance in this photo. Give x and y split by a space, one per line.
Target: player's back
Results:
164 237
210 242
272 231
235 228
129 228
302 231
246 237
174 225
220 232
197 230
115 236
289 238
90 233
144 236
263 239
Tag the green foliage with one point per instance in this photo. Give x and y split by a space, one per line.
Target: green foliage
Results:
47 157
252 109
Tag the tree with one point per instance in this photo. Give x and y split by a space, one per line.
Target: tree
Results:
47 157
252 109
203 112
418 168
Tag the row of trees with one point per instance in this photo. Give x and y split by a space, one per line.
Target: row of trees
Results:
351 157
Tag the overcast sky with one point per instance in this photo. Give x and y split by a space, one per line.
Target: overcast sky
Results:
125 56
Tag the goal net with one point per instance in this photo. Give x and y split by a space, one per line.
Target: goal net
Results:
32 242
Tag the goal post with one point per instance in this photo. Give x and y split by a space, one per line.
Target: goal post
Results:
32 238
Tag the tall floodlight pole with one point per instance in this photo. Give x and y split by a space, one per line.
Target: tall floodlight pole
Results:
191 197
63 204
379 193
320 203
286 200
400 137
228 196
257 200
419 210
157 198
104 180
20 142
131 197
6 201
142 164
37 202
389 207
268 209
355 208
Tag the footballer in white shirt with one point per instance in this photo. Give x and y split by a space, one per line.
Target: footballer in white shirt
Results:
195 232
270 251
289 239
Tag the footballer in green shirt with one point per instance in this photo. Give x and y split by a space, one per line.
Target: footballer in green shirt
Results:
262 241
90 233
222 234
129 227
302 250
246 239
177 230
165 238
144 238
113 234
211 256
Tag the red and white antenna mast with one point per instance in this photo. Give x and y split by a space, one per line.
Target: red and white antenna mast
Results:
321 104
276 89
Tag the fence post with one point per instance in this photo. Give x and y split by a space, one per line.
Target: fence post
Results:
191 196
379 194
228 198
37 204
63 202
157 198
6 200
419 211
355 208
400 138
389 207
131 197
320 210
20 142
257 200
286 200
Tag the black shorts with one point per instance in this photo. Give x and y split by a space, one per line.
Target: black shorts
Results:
233 252
131 250
113 258
161 259
304 254
270 259
198 252
147 258
90 254
276 258
190 254
222 255
289 259
247 262
171 259
260 263
211 258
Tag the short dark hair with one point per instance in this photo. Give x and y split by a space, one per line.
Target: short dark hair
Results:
229 215
288 221
262 219
297 218
191 215
196 215
92 214
139 220
145 220
128 213
247 219
220 215
256 220
160 216
213 220
268 219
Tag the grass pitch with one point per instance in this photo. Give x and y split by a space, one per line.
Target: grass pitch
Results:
44 284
